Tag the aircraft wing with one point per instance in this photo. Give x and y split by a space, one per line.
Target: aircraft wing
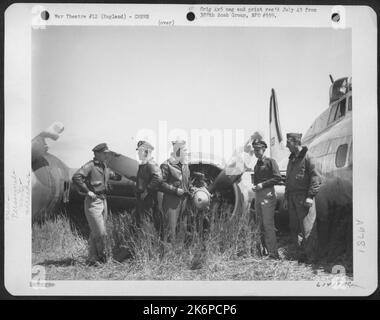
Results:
123 165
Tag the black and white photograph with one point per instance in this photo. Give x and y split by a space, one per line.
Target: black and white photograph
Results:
201 153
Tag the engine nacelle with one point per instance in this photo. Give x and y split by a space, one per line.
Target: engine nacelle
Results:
50 176
50 186
230 189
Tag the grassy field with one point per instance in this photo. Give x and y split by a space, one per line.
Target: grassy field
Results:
228 251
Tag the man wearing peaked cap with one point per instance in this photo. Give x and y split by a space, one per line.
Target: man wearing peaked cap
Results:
302 185
256 136
101 147
294 136
148 183
144 145
92 179
175 185
266 176
259 144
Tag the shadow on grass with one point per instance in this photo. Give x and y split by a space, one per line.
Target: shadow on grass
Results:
335 257
75 213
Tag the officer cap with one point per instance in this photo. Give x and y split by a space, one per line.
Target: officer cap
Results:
101 147
259 144
294 136
145 145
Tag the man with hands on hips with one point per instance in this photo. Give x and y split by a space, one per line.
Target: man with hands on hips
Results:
92 179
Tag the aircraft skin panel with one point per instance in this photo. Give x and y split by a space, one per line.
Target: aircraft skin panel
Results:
48 185
325 147
321 125
341 129
324 140
41 193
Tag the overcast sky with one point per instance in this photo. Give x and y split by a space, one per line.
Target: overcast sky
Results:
107 83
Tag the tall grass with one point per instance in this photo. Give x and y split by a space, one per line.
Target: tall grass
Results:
215 246
200 235
56 239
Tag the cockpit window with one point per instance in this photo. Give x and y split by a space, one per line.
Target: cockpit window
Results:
350 103
341 155
341 110
332 113
337 111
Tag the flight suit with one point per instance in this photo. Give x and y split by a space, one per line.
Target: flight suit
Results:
302 181
174 175
148 182
94 176
267 173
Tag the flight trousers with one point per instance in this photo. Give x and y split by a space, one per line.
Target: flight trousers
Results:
148 214
173 206
96 215
265 204
302 223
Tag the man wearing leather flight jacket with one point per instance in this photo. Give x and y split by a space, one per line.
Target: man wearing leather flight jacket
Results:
92 180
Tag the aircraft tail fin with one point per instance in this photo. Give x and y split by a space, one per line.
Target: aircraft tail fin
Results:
278 151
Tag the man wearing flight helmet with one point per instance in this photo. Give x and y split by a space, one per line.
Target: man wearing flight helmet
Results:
175 185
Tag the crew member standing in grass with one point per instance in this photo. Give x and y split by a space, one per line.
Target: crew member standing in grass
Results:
92 179
148 183
266 176
176 185
302 185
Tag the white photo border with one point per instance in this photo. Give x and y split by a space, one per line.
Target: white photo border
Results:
19 21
